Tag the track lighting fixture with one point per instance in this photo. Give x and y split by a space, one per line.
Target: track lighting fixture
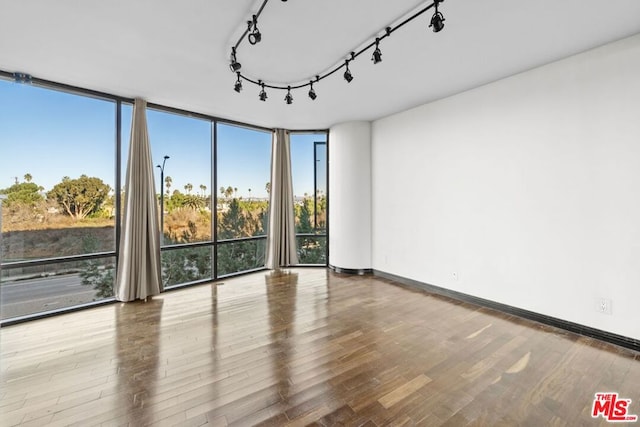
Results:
312 93
238 85
235 65
347 74
437 20
288 97
22 78
253 35
377 54
262 95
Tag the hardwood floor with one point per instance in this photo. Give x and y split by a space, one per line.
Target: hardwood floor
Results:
307 347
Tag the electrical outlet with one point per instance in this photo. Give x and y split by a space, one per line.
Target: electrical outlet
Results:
603 305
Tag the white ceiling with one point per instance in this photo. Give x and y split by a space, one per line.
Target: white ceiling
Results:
176 52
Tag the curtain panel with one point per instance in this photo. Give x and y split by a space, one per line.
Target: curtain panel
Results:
139 268
281 235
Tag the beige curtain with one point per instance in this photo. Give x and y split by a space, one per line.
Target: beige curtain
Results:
139 270
281 235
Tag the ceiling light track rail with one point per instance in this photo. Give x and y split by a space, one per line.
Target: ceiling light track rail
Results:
253 35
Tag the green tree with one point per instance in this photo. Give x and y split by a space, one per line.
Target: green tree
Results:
176 201
187 264
99 277
311 249
80 197
238 256
305 216
228 192
99 274
233 221
239 219
25 193
28 177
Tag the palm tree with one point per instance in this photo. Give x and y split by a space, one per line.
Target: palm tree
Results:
204 189
188 187
28 177
228 192
193 202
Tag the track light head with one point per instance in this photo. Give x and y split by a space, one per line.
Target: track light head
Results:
262 95
437 20
255 36
347 74
312 93
238 86
377 54
234 65
288 97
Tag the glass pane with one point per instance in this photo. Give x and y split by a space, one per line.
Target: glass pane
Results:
308 166
309 171
186 265
30 290
243 255
57 157
312 249
320 207
183 178
244 162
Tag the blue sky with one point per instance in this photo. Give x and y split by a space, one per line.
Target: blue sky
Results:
52 134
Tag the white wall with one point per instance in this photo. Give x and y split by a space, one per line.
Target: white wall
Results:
350 196
528 188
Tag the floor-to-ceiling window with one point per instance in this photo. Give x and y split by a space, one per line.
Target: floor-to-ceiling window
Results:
63 160
57 180
243 176
309 173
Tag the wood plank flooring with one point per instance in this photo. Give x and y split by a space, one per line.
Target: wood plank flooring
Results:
305 347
